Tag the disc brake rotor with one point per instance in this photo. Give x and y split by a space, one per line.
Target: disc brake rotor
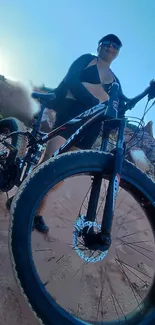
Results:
86 254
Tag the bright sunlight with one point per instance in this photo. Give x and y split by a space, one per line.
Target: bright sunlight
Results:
3 66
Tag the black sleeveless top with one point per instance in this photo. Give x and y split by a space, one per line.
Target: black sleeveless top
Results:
78 73
91 75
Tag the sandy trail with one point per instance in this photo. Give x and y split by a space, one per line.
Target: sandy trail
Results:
57 262
77 285
13 309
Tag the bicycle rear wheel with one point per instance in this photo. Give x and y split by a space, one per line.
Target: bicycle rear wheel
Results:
9 125
9 168
32 190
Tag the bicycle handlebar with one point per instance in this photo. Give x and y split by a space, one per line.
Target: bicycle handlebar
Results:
136 99
150 91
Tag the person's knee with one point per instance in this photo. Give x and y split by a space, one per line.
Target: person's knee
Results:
52 146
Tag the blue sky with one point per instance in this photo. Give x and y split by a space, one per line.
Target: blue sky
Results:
39 41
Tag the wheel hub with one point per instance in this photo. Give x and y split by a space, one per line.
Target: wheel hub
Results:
96 245
97 241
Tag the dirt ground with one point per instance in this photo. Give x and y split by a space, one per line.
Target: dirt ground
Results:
100 291
13 308
61 268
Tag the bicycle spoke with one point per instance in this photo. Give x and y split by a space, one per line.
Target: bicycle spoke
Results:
131 271
102 198
131 285
133 220
103 279
146 249
133 233
84 263
123 221
114 286
126 264
139 251
113 300
114 296
140 241
59 259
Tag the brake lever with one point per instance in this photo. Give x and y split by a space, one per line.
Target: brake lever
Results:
128 106
151 94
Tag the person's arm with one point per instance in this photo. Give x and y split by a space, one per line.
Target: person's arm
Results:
74 84
123 98
43 89
47 89
126 103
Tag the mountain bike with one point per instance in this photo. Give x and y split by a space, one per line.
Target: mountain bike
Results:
95 237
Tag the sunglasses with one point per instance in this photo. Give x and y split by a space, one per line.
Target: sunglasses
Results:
114 45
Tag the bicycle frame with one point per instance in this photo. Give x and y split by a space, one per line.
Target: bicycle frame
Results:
107 112
31 158
103 111
35 145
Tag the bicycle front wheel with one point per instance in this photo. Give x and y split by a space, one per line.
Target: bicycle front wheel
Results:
48 308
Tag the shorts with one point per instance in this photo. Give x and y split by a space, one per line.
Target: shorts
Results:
71 108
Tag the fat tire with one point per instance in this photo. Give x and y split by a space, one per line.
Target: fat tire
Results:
18 141
32 191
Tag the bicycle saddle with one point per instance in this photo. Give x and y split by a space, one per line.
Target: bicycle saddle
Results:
42 97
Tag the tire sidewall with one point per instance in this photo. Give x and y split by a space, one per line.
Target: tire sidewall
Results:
32 191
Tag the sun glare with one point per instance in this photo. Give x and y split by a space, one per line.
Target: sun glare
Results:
3 66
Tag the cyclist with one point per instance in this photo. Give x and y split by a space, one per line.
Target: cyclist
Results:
87 83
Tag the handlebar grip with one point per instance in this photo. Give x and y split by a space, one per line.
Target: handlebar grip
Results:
142 95
133 102
136 99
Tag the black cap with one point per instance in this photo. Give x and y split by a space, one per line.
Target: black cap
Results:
110 37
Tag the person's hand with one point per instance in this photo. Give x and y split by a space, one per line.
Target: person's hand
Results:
38 90
127 106
151 94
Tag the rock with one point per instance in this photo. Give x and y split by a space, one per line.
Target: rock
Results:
140 145
149 128
16 101
138 157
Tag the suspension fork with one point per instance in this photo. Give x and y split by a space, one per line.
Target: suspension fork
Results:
97 180
114 182
29 162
